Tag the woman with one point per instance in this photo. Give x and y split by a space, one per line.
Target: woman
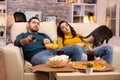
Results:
67 36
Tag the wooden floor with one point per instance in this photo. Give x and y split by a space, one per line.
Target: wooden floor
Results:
1 68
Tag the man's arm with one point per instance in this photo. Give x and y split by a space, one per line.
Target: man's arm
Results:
22 41
27 40
47 37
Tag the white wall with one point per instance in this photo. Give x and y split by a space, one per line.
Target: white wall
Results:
101 11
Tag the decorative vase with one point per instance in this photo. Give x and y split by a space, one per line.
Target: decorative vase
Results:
89 70
1 33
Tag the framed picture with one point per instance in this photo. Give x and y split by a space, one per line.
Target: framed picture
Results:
90 1
51 18
61 0
30 14
72 1
16 0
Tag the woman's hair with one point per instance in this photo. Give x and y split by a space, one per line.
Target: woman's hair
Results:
60 32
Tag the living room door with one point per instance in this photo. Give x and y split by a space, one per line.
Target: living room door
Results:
113 19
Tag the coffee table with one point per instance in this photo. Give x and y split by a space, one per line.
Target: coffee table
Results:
69 73
108 73
112 75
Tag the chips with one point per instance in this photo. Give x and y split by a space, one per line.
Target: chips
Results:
51 46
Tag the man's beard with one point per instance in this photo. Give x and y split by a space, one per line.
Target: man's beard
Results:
34 31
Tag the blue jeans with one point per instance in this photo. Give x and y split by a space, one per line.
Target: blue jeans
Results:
74 52
105 51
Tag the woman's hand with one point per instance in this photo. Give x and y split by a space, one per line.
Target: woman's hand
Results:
46 41
81 44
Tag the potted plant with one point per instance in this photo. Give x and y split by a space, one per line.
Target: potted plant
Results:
89 68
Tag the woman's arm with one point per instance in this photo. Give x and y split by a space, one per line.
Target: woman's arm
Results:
83 43
60 42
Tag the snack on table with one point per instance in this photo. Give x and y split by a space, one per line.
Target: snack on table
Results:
51 46
58 61
96 65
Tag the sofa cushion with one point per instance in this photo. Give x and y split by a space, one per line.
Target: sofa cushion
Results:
46 27
85 29
50 29
27 67
116 55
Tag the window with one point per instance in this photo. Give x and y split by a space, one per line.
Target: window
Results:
113 16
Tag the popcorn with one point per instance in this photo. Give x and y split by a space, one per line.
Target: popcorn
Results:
58 61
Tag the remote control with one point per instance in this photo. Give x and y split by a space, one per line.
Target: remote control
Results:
33 38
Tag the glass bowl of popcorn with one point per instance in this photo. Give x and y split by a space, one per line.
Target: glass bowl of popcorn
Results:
58 60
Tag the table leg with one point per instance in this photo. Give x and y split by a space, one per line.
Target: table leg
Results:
52 76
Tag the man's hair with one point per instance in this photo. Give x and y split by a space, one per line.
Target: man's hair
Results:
33 18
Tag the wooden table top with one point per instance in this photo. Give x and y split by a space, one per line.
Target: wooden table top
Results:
68 68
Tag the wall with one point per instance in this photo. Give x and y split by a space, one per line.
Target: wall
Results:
48 7
101 11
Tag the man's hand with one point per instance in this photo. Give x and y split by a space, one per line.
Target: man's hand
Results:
28 40
46 41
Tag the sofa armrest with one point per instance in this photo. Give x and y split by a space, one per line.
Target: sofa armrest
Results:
13 62
116 57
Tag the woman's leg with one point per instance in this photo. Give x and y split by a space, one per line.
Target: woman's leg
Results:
106 52
74 52
84 57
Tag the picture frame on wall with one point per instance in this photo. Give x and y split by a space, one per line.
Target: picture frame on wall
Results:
61 1
52 18
16 0
90 1
30 14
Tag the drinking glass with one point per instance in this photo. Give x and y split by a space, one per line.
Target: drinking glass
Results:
90 55
60 52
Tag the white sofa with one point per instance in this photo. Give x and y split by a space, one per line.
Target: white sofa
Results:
18 69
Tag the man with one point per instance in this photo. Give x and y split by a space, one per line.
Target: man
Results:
33 45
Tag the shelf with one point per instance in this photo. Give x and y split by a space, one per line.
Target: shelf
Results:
77 15
2 14
80 10
2 2
2 37
1 26
78 19
3 23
